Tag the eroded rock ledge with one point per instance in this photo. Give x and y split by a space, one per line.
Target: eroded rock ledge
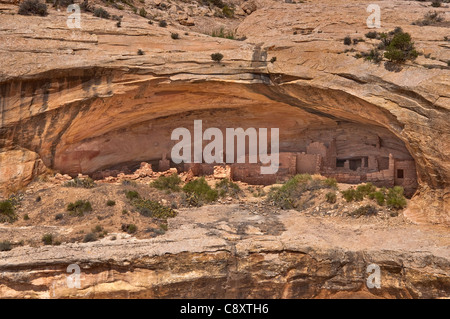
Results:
226 252
92 102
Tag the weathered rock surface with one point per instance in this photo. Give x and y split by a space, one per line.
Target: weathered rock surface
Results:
227 252
84 100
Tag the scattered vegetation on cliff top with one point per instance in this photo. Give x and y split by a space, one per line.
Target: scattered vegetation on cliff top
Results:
430 18
33 7
396 46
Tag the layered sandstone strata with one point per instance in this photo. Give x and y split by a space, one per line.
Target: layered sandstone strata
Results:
224 251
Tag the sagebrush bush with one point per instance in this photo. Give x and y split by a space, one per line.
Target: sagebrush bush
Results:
347 40
227 11
47 239
331 182
129 228
288 195
5 245
80 182
174 36
222 33
379 197
367 210
33 7
110 202
395 198
349 194
130 195
217 57
79 208
225 187
331 197
162 23
151 208
372 34
89 237
7 212
430 18
101 13
199 192
171 182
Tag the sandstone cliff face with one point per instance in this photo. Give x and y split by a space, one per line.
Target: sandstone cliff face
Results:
228 252
84 100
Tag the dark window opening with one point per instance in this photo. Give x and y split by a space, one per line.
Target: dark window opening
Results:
355 164
399 173
340 163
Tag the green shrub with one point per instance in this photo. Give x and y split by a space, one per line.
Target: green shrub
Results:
367 210
374 56
59 216
150 208
379 197
225 187
400 48
128 182
436 3
174 36
142 12
349 194
129 228
101 13
371 35
5 245
347 40
164 227
130 195
162 23
110 202
79 208
33 7
430 18
7 213
26 217
171 182
89 237
227 11
286 196
395 198
65 3
217 57
198 192
364 190
80 182
331 182
331 197
47 239
222 33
